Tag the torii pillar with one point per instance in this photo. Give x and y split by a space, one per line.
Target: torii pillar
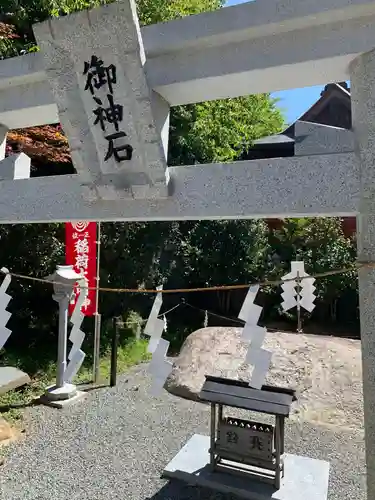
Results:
362 75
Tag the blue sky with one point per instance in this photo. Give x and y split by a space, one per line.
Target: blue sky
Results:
293 102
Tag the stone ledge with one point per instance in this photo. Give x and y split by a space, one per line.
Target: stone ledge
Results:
11 378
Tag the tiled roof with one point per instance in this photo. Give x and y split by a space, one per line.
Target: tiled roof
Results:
287 135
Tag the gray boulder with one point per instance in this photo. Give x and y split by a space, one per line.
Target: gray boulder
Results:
209 351
325 371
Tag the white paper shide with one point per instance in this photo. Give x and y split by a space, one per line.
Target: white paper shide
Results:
4 314
294 296
159 367
259 358
76 356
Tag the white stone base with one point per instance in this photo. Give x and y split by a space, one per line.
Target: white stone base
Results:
305 478
67 391
59 397
62 403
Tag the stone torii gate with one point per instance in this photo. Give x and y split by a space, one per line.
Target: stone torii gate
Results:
111 84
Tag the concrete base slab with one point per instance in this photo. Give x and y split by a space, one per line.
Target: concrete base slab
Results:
305 478
67 391
11 378
62 403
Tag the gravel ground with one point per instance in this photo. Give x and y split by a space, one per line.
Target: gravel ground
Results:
115 443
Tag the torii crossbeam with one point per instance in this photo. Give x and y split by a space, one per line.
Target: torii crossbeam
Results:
254 47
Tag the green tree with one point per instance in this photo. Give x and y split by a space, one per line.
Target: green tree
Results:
326 248
219 131
289 240
159 11
31 250
24 13
321 244
224 253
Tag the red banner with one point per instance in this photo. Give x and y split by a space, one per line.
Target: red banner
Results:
80 244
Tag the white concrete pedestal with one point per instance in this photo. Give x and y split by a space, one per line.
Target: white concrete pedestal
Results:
305 478
59 397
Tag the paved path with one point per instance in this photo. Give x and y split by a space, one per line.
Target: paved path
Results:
115 444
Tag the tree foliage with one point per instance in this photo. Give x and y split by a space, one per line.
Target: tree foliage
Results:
24 13
221 130
158 11
327 247
42 144
321 244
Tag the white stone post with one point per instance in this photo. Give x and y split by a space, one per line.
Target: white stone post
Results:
64 279
362 75
62 297
14 167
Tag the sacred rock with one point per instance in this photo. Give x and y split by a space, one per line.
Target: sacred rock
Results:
324 371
